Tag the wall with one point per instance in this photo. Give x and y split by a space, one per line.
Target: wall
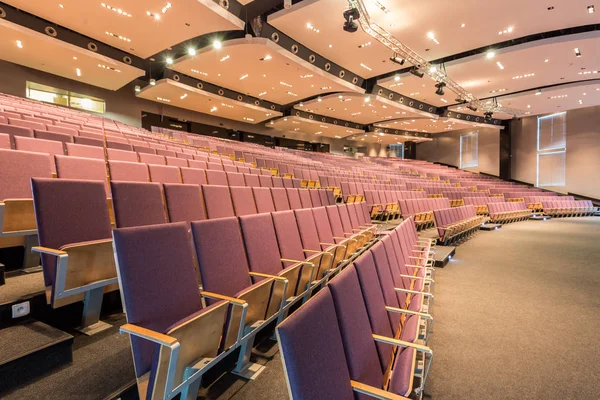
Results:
583 151
122 105
445 148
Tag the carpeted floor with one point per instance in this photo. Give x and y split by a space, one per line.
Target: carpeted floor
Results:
517 317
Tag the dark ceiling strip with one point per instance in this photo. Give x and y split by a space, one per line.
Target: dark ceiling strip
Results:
324 119
501 45
220 91
471 118
404 100
390 131
58 32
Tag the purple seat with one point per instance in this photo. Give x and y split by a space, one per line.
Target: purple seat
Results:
215 177
214 166
138 204
184 202
288 183
79 150
280 199
277 182
27 124
164 174
49 147
294 198
144 150
313 353
162 152
82 169
13 130
243 200
251 180
315 198
265 181
193 176
88 141
128 171
4 141
263 199
176 162
218 201
121 155
235 179
112 144
160 293
305 199
151 159
58 137
197 164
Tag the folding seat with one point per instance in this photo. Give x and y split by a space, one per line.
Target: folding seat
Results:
78 150
297 183
280 199
217 200
162 152
4 141
79 168
50 147
227 273
265 181
243 170
305 198
323 196
366 233
177 162
367 229
214 177
294 198
13 130
184 202
263 199
235 179
243 200
335 221
197 164
113 144
128 171
88 141
91 135
58 137
288 183
151 159
165 311
277 182
201 157
193 176
164 174
313 355
347 247
27 124
251 180
137 204
74 235
144 150
121 155
187 155
214 166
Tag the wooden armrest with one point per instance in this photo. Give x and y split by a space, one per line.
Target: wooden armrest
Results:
148 334
261 275
401 343
49 251
221 297
375 392
311 251
410 312
296 261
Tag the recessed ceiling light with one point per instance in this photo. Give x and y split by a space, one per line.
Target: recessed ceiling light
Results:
78 71
19 44
499 64
123 38
538 92
431 36
330 46
523 76
306 76
591 9
292 94
319 99
577 52
169 60
138 89
360 46
184 96
462 25
367 99
397 78
338 137
366 67
117 10
217 44
224 58
61 6
152 82
528 105
490 54
546 60
163 99
192 51
213 109
312 28
506 31
580 101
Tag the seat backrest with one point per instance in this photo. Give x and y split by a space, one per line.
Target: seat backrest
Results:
288 235
68 211
217 200
315 198
345 218
82 169
294 198
138 203
158 282
193 176
261 243
164 174
184 202
18 167
216 177
177 162
50 147
280 199
265 181
313 353
121 155
128 171
4 141
263 199
305 198
243 200
307 229
79 150
58 137
333 215
151 159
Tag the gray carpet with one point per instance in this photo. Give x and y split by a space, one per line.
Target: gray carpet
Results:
517 317
21 285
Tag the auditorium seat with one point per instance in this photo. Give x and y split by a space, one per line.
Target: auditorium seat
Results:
113 143
263 199
197 164
174 161
235 179
164 174
40 146
294 198
68 167
151 159
137 204
79 150
88 141
4 141
280 199
217 200
305 198
184 202
193 176
26 124
337 227
243 200
121 155
75 241
313 355
265 181
59 137
327 238
164 309
216 177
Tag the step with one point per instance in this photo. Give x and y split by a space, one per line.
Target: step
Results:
443 254
29 350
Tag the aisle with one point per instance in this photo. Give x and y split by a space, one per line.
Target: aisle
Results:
518 314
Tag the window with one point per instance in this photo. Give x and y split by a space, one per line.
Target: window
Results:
398 150
469 146
49 94
551 150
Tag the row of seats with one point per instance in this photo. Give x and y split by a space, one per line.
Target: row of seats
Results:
385 204
534 203
365 334
480 203
569 208
457 224
507 212
422 210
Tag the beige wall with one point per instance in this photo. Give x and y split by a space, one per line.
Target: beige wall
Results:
122 105
583 152
445 148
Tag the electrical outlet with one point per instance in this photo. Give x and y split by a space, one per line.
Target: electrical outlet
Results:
20 310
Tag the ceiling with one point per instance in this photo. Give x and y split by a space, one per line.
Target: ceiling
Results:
385 138
261 68
45 53
359 108
440 125
141 34
316 128
169 92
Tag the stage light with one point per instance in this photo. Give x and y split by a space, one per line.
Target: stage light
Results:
397 59
153 82
191 51
460 100
440 88
138 89
577 52
169 60
350 15
472 107
217 45
488 115
416 72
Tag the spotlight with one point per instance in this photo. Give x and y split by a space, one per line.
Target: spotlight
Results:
153 82
350 15
169 60
397 59
577 52
472 107
460 100
217 45
440 88
138 89
191 51
416 72
488 115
